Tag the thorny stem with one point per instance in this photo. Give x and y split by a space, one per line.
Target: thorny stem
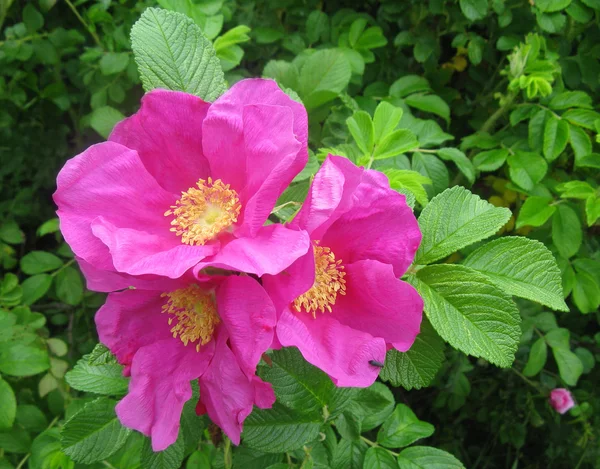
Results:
82 21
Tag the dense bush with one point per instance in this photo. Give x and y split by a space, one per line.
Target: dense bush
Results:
497 96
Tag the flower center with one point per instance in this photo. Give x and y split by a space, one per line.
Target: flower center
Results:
204 211
196 314
329 282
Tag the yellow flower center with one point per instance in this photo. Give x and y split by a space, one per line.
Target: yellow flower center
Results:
329 282
195 311
204 211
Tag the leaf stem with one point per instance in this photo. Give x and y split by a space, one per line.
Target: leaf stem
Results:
376 445
491 121
227 459
87 26
25 39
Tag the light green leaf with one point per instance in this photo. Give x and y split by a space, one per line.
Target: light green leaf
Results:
279 429
526 169
8 405
430 166
568 99
411 180
362 130
556 136
455 219
535 211
172 52
570 367
46 452
35 287
170 458
285 73
36 262
463 163
592 209
537 358
521 267
580 142
416 368
586 293
104 379
469 312
396 143
426 457
558 338
104 119
575 190
379 458
429 103
566 231
550 6
69 286
490 160
324 75
403 428
474 9
23 360
582 117
50 226
409 84
385 120
112 63
588 161
317 25
93 433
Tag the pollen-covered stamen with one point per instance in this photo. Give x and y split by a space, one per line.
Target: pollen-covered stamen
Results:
204 211
329 282
195 313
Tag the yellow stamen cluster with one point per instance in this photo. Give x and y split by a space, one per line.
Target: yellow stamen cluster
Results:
195 311
204 211
329 282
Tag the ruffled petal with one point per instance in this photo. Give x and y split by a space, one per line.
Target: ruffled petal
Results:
226 392
274 159
248 315
160 386
140 253
273 249
99 182
379 226
167 134
340 351
378 303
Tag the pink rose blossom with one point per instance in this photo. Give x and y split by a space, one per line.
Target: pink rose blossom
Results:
186 183
213 329
561 399
342 303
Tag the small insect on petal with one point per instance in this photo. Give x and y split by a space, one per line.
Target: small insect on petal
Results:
376 363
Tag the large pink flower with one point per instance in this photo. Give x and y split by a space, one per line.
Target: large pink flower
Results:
213 329
185 183
342 303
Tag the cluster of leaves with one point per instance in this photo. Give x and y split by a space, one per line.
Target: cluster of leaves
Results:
496 96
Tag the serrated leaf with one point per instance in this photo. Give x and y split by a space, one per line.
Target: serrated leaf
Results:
416 368
490 160
537 358
349 455
324 75
279 429
470 312
474 9
429 103
556 137
170 458
373 405
463 163
385 120
396 143
566 231
455 219
104 119
526 169
403 428
379 458
582 117
430 166
568 99
36 262
575 190
172 52
8 405
106 379
426 457
521 267
409 84
410 180
535 211
93 433
362 130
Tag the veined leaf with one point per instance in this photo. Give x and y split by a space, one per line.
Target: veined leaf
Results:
426 457
403 428
535 211
566 231
379 458
104 379
537 358
556 137
463 163
362 130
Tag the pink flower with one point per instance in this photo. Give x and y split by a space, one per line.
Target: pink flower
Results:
185 183
213 329
561 399
342 304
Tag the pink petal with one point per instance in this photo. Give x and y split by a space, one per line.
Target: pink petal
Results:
340 351
379 226
99 182
274 159
273 249
224 123
226 392
160 386
249 317
160 252
378 303
167 134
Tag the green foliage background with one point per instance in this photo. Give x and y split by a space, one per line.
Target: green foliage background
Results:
498 96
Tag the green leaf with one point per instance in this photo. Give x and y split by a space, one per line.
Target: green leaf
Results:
348 426
411 180
172 52
592 209
526 169
582 117
474 10
409 84
8 405
11 233
575 190
455 219
558 338
570 367
429 103
475 50
425 457
93 433
536 126
462 162
469 312
112 63
580 142
32 18
23 360
537 358
46 452
37 262
385 120
551 22
589 161
50 226
490 160
362 130
586 293
104 119
403 428
279 429
69 286
556 136
430 166
521 267
566 231
325 74
416 368
35 287
170 458
349 455
105 378
317 25
373 405
535 211
587 359
396 143
551 6
31 418
379 458
568 99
